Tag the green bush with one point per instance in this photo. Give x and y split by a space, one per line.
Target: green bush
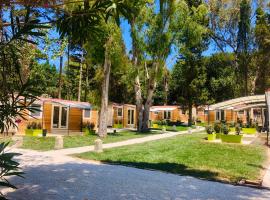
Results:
238 129
34 125
217 126
225 129
9 167
209 129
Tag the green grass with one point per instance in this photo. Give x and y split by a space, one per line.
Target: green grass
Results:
47 143
246 130
178 128
7 139
189 155
38 143
79 141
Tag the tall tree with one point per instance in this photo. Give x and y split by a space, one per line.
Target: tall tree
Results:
244 44
189 74
153 24
262 36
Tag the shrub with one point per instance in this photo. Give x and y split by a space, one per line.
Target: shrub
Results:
225 129
34 125
209 129
238 129
9 167
217 127
88 125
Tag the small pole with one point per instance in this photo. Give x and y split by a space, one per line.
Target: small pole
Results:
208 117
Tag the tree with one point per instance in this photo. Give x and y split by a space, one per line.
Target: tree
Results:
244 44
220 76
152 23
262 37
189 74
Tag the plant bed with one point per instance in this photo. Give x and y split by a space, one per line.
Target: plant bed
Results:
232 138
155 126
118 126
211 137
33 132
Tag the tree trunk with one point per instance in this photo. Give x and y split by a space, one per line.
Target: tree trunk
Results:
190 114
102 130
139 103
80 79
150 92
60 77
86 83
147 107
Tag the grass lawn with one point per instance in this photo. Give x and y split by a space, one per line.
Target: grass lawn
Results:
7 139
246 130
47 143
79 141
189 155
170 128
38 143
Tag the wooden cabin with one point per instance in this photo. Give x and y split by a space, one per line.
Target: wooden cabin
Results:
122 115
59 116
251 108
172 113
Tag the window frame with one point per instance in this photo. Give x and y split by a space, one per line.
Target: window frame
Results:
89 113
40 112
118 112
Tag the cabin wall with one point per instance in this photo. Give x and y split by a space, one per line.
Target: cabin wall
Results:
125 116
75 119
47 116
93 118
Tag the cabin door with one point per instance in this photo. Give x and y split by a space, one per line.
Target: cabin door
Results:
60 117
131 117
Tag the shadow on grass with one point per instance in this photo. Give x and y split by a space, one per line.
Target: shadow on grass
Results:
173 168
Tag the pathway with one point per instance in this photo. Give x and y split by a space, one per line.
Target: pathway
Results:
122 143
55 176
58 177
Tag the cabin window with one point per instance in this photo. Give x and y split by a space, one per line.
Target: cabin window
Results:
156 112
167 114
35 110
87 113
119 112
220 115
206 112
183 112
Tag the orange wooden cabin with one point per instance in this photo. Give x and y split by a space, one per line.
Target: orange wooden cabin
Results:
251 108
172 113
59 116
122 115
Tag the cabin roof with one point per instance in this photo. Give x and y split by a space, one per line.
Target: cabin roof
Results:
68 103
240 103
163 108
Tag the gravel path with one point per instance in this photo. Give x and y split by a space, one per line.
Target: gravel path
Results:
61 177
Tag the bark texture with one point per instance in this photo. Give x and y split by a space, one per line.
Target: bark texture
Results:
102 130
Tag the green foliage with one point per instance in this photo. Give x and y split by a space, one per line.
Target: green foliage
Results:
217 127
17 55
189 74
8 167
238 129
220 76
209 129
225 129
34 125
45 78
